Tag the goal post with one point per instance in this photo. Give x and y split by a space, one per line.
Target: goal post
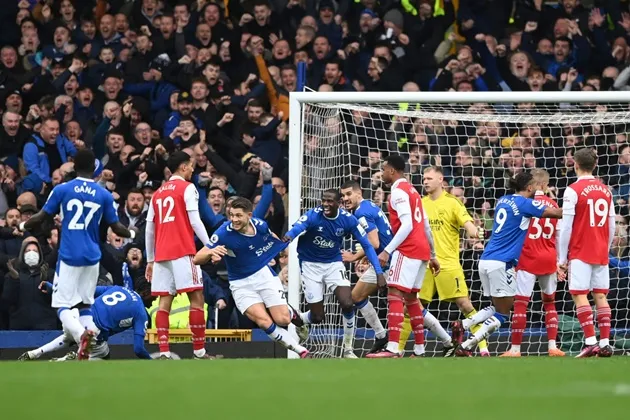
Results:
479 139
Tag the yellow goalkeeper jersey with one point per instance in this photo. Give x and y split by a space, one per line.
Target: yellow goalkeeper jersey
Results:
446 215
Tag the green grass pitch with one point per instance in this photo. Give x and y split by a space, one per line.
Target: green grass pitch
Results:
526 388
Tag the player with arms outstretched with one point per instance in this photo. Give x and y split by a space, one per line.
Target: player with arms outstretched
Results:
538 262
172 221
322 269
512 215
379 233
248 247
588 227
82 203
412 251
115 310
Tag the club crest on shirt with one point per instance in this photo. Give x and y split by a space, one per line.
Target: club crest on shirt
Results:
340 232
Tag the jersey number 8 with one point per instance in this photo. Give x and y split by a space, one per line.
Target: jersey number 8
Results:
79 207
114 298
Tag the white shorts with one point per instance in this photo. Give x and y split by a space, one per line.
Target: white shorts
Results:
74 285
525 283
176 276
584 278
370 276
321 278
261 287
496 280
406 274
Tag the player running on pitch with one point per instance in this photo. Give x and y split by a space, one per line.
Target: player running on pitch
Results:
447 215
322 269
588 227
248 246
538 262
512 215
172 221
115 310
379 233
412 250
82 203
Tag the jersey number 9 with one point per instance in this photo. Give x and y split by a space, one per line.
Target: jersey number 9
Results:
78 207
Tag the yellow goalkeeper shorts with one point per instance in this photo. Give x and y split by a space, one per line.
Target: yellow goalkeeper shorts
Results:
449 284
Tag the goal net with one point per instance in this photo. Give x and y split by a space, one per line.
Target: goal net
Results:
480 141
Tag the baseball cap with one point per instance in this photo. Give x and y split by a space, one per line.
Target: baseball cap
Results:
184 97
28 208
152 184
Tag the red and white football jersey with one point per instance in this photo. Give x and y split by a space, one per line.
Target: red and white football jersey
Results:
590 202
404 199
539 254
174 235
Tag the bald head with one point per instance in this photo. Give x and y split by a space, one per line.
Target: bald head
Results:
27 198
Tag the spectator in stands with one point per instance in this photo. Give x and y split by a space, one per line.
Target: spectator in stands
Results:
47 151
29 303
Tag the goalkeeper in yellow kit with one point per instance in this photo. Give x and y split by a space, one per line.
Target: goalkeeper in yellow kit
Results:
447 215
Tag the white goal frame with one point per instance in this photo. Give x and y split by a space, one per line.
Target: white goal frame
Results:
297 100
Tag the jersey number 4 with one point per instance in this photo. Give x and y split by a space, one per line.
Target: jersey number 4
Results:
78 207
165 208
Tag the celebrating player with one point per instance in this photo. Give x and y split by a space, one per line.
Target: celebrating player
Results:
115 310
411 250
447 215
319 252
538 261
588 227
172 218
82 203
496 266
248 246
379 233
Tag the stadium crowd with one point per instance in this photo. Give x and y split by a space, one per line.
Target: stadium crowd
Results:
135 80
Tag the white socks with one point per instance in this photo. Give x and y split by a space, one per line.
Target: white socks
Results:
56 344
283 337
603 342
348 330
306 317
71 324
432 324
479 317
488 327
86 319
371 317
552 345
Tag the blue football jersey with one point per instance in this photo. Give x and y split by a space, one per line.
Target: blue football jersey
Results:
246 254
117 309
372 217
323 236
511 222
82 203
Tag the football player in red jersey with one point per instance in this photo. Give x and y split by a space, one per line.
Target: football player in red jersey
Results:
411 249
587 230
538 261
172 221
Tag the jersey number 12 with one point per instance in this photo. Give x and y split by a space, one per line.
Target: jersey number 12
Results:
165 208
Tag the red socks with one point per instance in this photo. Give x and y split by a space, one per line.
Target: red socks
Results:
395 317
519 319
603 322
162 324
551 317
416 319
197 323
585 316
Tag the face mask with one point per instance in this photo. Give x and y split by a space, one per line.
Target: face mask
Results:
31 258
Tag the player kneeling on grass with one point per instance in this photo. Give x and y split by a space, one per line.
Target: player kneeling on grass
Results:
248 246
319 252
496 266
115 310
538 262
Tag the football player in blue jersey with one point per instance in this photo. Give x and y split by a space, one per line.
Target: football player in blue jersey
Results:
379 233
512 215
322 269
115 310
247 245
81 203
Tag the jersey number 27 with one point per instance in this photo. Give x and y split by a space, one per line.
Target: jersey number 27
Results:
79 208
